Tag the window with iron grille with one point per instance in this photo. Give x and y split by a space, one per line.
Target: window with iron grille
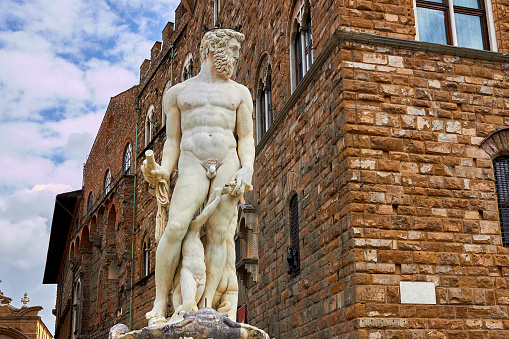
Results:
294 251
238 256
127 159
501 168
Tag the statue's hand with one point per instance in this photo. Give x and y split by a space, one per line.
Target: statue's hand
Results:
153 173
242 181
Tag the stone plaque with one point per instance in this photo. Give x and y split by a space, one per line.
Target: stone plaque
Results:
417 293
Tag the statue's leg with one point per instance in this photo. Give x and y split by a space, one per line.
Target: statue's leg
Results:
230 297
188 289
217 230
190 191
221 288
176 295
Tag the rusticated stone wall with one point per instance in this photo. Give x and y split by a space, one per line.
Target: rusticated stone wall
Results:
383 148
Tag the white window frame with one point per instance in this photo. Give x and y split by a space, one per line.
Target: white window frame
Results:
492 39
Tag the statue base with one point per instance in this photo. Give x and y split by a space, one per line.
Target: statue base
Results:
207 323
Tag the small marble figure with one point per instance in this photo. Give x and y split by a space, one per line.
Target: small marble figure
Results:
192 271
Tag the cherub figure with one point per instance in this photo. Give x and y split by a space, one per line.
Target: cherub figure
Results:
192 270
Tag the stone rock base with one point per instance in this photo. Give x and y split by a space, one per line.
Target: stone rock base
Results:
204 324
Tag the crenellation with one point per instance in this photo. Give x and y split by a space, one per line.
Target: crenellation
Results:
167 32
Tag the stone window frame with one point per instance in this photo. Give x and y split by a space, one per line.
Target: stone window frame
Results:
149 125
127 159
300 27
496 145
187 68
263 100
450 24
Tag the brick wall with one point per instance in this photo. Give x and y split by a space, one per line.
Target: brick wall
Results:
383 150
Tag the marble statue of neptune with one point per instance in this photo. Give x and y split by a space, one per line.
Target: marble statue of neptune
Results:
202 115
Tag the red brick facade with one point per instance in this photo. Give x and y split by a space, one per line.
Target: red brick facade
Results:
388 144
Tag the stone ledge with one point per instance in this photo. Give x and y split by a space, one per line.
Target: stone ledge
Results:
341 36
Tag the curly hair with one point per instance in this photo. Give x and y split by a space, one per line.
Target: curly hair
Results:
216 40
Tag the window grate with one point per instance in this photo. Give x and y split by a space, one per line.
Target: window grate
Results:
294 234
501 168
237 250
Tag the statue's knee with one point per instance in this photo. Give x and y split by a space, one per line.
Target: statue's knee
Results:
175 232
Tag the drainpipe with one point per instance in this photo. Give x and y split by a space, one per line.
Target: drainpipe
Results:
134 217
71 310
171 67
134 197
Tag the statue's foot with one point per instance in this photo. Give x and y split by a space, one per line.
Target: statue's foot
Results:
225 306
155 318
177 317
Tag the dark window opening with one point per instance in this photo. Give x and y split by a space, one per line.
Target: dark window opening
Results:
294 251
501 168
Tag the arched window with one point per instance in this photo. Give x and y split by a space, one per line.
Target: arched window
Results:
126 164
187 69
264 116
146 257
301 44
149 126
90 203
501 168
107 183
294 251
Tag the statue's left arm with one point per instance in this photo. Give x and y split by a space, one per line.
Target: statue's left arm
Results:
246 145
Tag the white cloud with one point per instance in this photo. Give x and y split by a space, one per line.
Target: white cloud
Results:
106 80
60 62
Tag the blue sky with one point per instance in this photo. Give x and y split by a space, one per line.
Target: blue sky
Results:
60 62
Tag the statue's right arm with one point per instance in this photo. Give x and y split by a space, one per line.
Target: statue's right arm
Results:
171 150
